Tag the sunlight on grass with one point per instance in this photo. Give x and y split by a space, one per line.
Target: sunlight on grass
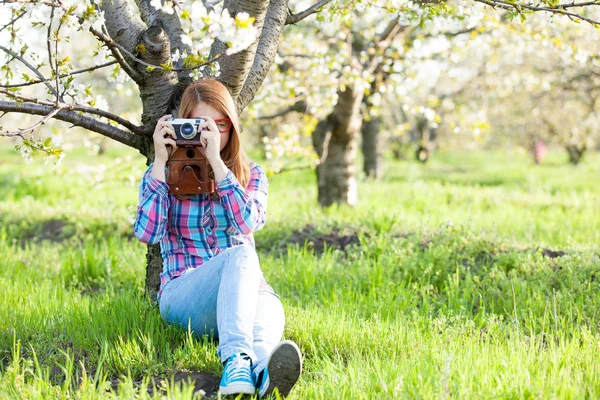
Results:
475 276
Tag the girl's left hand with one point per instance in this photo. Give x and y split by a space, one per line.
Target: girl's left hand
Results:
210 139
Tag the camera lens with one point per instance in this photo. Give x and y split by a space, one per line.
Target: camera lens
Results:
187 131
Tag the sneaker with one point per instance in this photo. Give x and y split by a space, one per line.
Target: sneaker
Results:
237 376
283 370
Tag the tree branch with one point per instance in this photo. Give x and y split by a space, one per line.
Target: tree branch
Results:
44 2
170 23
33 127
266 51
76 119
12 21
583 4
559 9
107 64
236 67
31 67
140 130
300 106
294 18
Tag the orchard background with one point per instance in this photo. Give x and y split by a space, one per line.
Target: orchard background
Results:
433 219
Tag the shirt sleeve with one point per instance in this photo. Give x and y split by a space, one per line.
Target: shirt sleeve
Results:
246 208
152 210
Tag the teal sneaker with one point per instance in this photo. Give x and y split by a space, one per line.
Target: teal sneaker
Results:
283 370
237 376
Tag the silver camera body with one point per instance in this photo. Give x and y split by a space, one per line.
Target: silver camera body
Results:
186 130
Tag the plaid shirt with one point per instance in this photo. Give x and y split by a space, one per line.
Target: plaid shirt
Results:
193 231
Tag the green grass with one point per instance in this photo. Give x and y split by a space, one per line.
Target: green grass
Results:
447 290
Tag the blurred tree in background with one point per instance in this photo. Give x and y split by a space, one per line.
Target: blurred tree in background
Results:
421 73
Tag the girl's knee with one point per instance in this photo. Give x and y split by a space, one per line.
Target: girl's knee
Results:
244 257
244 250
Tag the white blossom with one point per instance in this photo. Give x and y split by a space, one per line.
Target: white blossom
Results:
185 39
99 20
101 103
166 8
175 56
157 4
196 74
101 56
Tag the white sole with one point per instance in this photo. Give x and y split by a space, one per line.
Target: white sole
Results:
237 388
285 367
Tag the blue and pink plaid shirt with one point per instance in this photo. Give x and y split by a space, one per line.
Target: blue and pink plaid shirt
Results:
193 231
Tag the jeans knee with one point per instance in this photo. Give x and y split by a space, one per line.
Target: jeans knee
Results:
244 257
243 250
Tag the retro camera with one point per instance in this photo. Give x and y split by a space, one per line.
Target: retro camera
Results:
188 170
186 130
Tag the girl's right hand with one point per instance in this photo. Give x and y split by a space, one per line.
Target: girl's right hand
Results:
164 135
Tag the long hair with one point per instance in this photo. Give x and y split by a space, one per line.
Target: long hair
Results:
216 95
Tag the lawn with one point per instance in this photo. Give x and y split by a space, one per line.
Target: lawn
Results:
474 276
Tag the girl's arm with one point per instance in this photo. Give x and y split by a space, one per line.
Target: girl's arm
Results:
152 210
246 208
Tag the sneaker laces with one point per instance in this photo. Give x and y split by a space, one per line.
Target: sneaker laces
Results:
239 368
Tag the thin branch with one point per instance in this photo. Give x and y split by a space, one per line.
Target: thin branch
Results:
583 4
107 64
77 107
300 106
46 3
33 127
518 7
15 19
31 67
49 46
294 18
111 44
296 55
114 49
77 119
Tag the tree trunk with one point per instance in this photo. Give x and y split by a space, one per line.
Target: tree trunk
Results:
154 268
372 148
335 140
575 153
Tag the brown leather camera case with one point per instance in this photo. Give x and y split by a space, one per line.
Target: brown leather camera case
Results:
188 172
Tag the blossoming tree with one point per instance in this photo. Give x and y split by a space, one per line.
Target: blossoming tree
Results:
161 46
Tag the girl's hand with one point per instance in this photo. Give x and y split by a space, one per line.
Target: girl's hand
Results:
210 140
164 135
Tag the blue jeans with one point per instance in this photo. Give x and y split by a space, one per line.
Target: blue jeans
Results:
223 296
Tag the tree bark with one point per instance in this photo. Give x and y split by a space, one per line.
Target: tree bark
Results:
372 142
372 148
157 87
266 51
236 67
154 267
575 153
336 141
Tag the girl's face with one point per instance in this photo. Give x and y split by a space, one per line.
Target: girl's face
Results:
204 110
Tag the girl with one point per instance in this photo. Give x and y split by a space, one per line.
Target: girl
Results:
211 276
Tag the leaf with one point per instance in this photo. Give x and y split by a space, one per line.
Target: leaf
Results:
48 142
